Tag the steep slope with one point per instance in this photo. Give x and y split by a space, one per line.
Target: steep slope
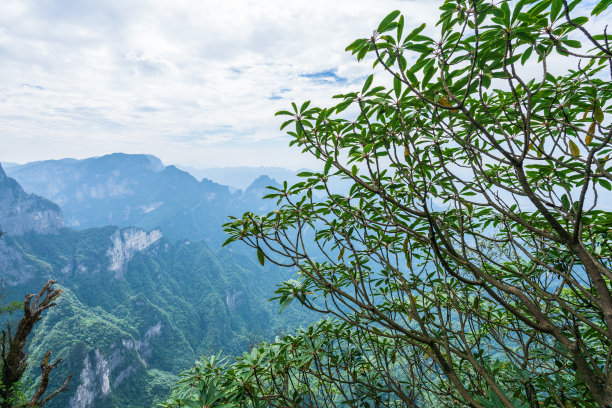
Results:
137 308
136 190
21 212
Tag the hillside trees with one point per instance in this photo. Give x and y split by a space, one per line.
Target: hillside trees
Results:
469 265
12 350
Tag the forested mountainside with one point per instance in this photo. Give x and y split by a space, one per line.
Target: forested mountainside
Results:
138 190
136 309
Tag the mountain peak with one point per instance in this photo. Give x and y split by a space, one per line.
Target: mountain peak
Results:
145 161
263 181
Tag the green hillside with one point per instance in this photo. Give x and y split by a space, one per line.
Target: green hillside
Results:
125 329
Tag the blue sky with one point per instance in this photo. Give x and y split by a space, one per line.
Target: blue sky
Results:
192 82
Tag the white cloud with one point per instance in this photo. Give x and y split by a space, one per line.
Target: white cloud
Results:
193 82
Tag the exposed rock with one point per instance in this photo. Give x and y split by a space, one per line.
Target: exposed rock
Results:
143 346
233 299
95 381
126 243
21 212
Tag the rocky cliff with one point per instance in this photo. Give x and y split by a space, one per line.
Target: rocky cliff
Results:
21 212
136 308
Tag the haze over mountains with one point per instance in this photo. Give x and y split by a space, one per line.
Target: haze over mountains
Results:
146 288
138 190
243 176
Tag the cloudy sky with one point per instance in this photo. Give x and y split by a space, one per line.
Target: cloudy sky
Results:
194 82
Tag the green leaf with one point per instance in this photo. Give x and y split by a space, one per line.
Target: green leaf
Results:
422 48
304 106
397 86
572 43
526 55
537 9
507 14
415 32
555 8
517 10
367 84
411 77
284 112
528 38
328 164
387 20
228 241
427 77
260 256
601 6
343 105
400 28
356 45
191 403
565 202
605 184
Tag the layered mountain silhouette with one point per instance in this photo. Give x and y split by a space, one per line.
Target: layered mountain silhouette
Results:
137 307
138 190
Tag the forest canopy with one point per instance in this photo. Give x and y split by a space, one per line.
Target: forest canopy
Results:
469 263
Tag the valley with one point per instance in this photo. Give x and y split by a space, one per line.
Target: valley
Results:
139 304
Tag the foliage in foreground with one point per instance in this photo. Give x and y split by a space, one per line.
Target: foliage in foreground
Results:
470 263
12 350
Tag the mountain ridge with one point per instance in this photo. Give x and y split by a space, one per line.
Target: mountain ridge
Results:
138 190
137 307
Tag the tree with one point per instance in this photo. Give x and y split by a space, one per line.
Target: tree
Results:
469 264
14 362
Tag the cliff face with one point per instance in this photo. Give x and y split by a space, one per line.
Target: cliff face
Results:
126 243
125 360
136 309
21 212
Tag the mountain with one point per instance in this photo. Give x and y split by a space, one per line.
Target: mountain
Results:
137 308
6 164
20 212
241 178
138 190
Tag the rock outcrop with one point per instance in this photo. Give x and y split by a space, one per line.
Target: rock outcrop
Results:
126 243
21 212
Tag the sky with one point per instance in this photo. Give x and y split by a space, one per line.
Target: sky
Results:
194 82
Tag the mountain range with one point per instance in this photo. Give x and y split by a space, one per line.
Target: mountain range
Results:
139 190
139 303
241 177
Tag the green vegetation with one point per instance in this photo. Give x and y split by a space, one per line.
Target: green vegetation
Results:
138 327
14 359
470 263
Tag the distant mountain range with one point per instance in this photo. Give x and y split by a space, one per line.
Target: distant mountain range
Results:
138 190
137 307
240 178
